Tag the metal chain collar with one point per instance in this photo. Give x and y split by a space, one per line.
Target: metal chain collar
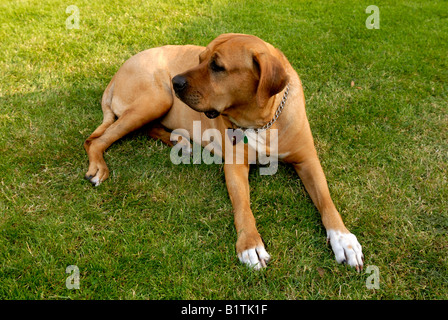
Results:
277 114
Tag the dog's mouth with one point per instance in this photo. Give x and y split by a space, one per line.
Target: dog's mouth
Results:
212 114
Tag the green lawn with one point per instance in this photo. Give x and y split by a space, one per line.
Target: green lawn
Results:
377 103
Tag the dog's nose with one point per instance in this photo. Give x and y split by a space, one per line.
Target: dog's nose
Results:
179 83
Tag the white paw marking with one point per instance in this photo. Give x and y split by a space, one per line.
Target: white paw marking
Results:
95 181
255 257
346 248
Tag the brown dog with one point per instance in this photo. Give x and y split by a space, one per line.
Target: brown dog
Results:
237 81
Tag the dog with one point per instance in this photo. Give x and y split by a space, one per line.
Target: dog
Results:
237 82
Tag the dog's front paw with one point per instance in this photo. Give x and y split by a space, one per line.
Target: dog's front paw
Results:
256 258
346 248
251 250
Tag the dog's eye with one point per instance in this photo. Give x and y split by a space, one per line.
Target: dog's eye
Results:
215 67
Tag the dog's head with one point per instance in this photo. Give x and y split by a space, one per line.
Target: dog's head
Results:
236 76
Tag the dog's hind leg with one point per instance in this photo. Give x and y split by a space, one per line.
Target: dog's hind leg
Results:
158 132
144 109
108 115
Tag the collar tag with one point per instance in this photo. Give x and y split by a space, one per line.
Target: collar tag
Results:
236 135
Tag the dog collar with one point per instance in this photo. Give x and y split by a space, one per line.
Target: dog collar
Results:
241 132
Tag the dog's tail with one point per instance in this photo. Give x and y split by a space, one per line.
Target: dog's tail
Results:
106 102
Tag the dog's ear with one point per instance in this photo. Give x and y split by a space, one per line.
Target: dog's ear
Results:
272 76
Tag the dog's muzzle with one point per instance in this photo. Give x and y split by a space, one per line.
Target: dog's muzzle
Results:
180 83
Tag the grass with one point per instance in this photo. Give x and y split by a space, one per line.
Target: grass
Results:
159 231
